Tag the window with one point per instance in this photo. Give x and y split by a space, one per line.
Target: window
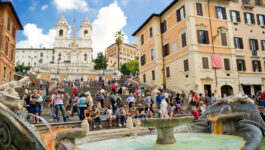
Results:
235 16
4 72
165 50
10 76
203 37
28 63
151 32
205 63
227 64
253 44
183 40
263 45
144 78
199 9
152 54
12 54
153 75
8 23
164 26
261 19
6 50
256 66
249 18
40 61
142 39
181 13
85 33
186 65
221 13
238 43
41 54
61 33
142 60
258 2
241 65
13 32
223 39
167 72
174 47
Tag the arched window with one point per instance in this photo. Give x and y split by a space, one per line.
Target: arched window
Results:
85 33
61 33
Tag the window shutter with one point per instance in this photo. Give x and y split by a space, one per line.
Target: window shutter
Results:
245 15
205 63
165 25
235 42
237 64
250 44
241 43
161 26
178 15
184 11
186 65
224 39
224 13
244 65
231 17
238 16
256 45
259 65
258 19
263 45
252 18
216 8
198 37
227 64
207 37
253 65
199 9
183 38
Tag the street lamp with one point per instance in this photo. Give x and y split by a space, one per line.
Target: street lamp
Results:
59 58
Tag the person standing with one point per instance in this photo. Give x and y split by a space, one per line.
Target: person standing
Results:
33 81
82 106
41 102
159 99
58 102
68 104
47 88
102 93
75 106
41 82
34 100
113 88
148 99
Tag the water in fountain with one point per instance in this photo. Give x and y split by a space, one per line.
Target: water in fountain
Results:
225 110
45 123
163 109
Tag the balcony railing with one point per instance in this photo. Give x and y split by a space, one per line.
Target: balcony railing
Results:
248 3
255 53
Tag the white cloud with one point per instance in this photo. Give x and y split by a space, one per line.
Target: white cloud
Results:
36 38
44 7
110 19
64 5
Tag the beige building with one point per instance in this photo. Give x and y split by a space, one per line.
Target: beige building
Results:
9 24
190 46
127 52
248 18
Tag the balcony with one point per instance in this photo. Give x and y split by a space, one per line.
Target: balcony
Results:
248 4
255 53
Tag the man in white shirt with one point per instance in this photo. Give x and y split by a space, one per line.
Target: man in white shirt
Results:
131 100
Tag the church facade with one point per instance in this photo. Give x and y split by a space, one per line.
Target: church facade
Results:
73 50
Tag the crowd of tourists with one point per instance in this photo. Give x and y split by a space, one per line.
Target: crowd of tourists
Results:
140 103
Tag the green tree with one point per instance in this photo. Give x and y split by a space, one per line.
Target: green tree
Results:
133 66
119 37
124 69
21 68
100 62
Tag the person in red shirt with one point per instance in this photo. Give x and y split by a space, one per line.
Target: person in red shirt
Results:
113 88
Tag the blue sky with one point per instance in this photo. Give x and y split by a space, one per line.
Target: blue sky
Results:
40 16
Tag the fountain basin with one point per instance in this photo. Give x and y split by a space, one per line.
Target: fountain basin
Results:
189 141
165 127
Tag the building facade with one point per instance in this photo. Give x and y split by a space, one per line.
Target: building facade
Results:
127 52
9 24
190 46
248 18
34 56
73 50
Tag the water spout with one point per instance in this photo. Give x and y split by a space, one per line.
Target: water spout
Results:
45 123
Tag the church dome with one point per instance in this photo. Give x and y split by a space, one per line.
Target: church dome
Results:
62 21
86 22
